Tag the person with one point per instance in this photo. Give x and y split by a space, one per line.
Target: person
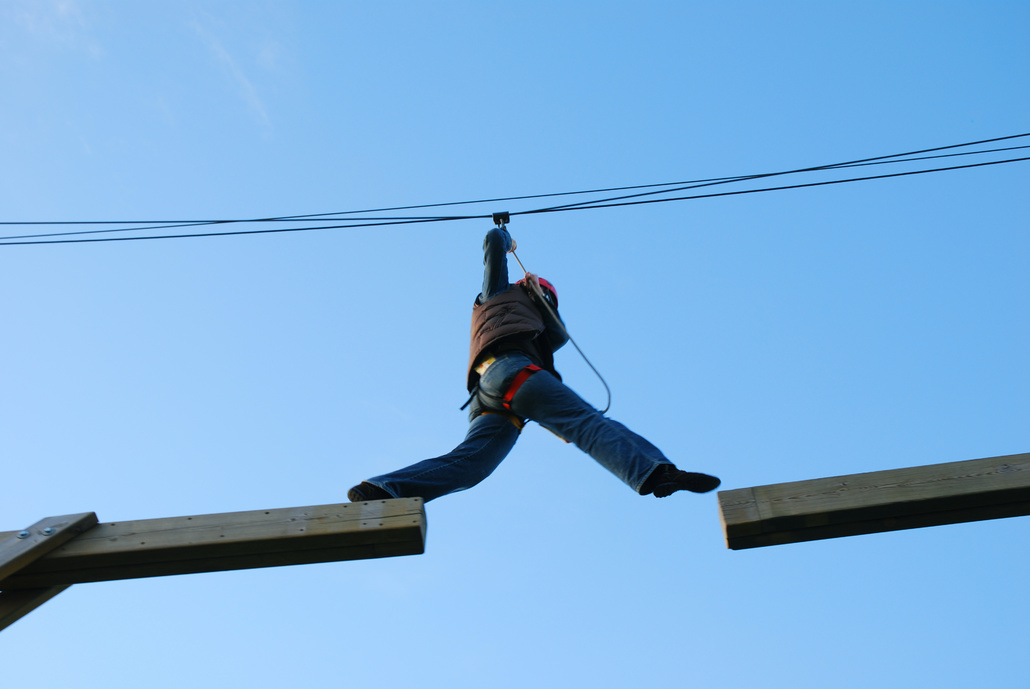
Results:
512 378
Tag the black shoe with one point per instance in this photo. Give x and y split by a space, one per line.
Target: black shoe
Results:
366 491
672 479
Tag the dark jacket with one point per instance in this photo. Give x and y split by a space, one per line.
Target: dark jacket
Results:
506 317
510 321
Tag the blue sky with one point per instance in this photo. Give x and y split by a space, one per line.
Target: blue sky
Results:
764 338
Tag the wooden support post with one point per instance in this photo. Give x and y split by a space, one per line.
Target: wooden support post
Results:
15 605
19 549
236 540
878 501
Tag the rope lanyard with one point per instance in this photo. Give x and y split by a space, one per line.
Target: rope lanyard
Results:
500 219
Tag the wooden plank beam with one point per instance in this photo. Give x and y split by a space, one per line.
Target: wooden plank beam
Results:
15 605
19 549
937 494
229 541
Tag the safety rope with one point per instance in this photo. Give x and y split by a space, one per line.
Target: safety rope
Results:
535 287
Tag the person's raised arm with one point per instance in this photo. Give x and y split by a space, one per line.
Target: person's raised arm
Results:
496 246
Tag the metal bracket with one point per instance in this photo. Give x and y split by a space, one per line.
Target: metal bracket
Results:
501 219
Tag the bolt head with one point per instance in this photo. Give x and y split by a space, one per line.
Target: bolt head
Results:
24 535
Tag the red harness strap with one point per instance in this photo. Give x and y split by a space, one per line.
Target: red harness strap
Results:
520 378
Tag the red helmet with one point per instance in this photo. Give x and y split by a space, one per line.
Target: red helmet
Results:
550 290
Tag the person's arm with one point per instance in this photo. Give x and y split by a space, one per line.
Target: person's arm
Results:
555 333
496 246
554 326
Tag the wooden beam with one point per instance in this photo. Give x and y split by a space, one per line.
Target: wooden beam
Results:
937 494
235 540
18 549
15 605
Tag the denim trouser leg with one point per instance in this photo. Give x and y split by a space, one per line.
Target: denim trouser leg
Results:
542 398
489 439
546 400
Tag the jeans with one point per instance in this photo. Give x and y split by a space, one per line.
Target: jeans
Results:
542 398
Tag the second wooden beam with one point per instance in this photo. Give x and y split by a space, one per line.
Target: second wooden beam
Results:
908 498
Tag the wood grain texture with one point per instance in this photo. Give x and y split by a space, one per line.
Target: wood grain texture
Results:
230 541
913 497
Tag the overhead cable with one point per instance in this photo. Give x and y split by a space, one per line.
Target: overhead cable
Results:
663 189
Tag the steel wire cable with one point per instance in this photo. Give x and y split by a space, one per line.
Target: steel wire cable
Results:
610 202
314 217
678 186
880 160
606 203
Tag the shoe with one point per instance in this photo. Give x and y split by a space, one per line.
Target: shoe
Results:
672 479
365 491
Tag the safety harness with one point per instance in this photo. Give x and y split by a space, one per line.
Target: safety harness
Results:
521 377
516 383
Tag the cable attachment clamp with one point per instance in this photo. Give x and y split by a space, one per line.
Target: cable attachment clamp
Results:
502 219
